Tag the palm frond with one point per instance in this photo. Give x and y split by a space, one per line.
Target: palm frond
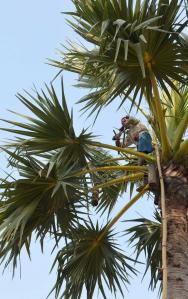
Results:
125 38
36 202
51 129
146 238
84 262
176 114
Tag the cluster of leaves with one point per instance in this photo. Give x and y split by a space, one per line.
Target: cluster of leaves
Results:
176 114
146 238
56 172
45 198
51 191
51 129
36 202
126 36
88 262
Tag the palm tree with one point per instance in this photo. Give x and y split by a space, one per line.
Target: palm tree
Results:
139 55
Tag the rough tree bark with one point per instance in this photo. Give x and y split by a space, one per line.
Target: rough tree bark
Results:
176 187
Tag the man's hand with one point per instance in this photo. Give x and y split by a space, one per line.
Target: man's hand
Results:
116 137
118 143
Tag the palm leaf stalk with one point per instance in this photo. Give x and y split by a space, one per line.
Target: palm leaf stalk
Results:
125 150
124 158
164 226
176 113
165 144
112 168
176 110
122 179
122 211
180 132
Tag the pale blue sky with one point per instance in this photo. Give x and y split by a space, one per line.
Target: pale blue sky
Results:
30 31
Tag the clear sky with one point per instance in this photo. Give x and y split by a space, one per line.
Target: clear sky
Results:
30 32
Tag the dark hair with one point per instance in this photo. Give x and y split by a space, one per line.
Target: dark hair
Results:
127 117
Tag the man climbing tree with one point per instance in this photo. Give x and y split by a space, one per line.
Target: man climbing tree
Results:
136 133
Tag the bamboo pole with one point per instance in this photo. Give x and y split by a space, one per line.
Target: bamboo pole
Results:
164 226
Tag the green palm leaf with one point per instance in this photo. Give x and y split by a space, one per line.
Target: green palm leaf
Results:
176 114
50 129
126 38
36 203
146 238
85 262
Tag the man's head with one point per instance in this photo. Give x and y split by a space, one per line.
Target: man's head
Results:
125 121
128 121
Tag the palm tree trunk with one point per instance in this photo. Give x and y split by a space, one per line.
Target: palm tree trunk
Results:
177 238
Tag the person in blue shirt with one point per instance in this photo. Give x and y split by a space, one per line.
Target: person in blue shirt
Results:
136 133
